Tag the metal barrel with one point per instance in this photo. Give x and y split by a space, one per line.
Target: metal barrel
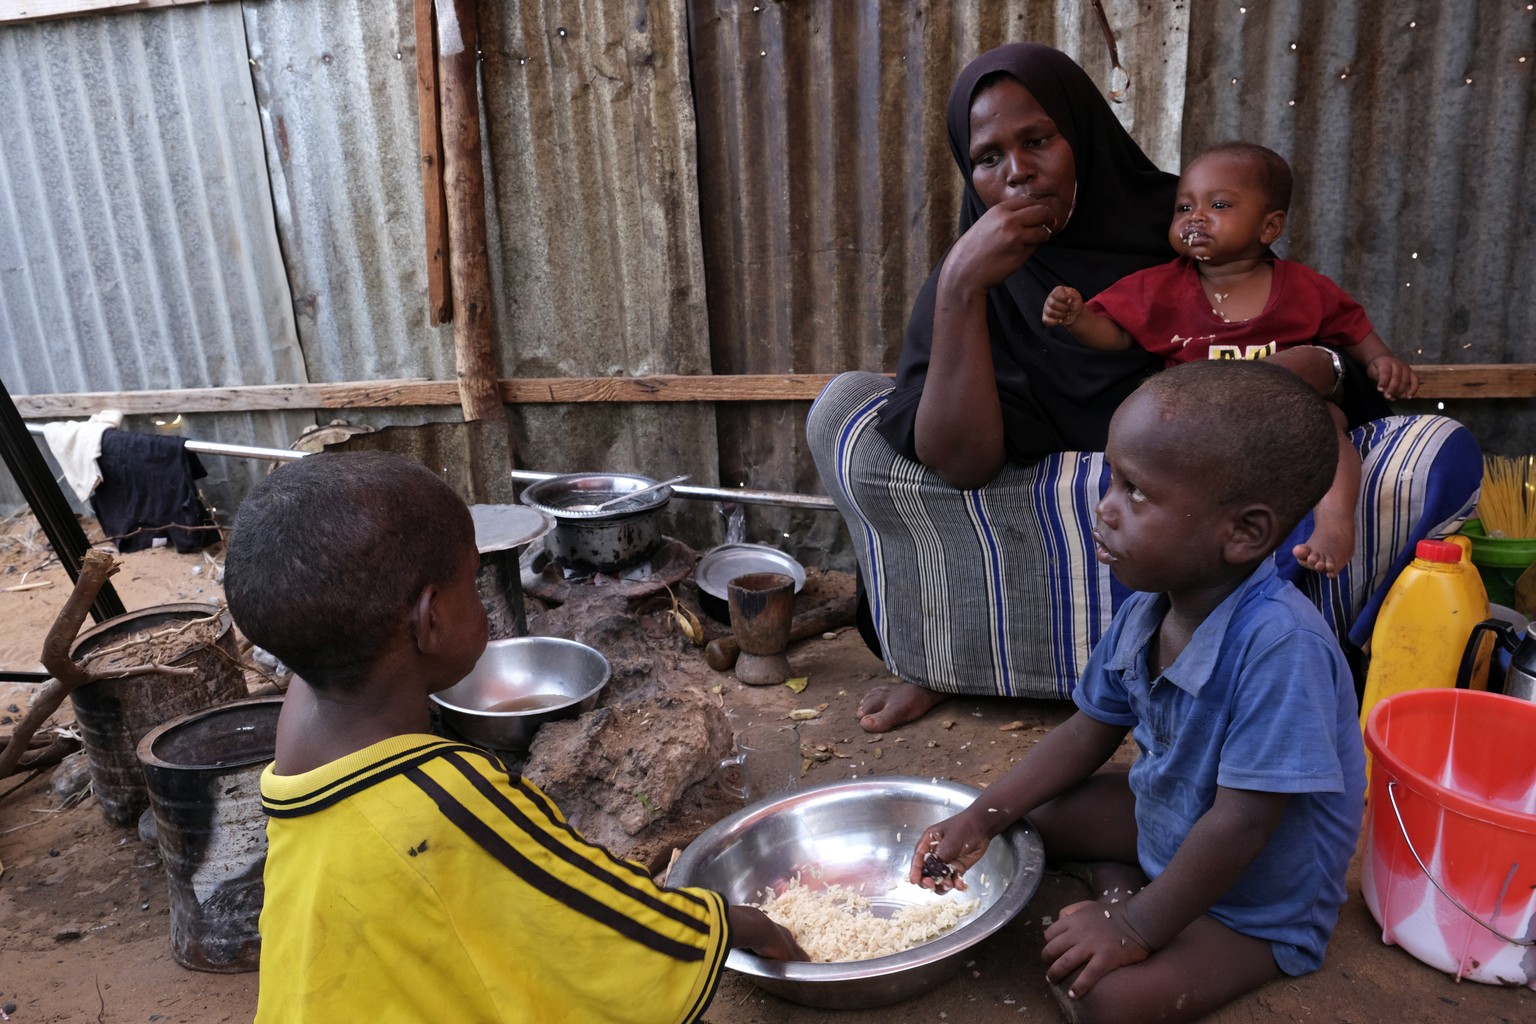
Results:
114 714
203 771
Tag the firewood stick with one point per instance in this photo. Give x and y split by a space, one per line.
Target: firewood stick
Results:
68 675
95 568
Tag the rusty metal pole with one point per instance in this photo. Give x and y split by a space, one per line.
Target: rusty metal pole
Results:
458 39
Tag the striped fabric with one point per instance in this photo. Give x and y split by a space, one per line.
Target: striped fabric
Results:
996 591
415 880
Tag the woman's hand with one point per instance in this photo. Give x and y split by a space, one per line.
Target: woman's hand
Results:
1092 936
1394 378
1000 242
945 851
1062 306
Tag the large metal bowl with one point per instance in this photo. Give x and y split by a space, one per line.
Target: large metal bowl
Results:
555 678
859 831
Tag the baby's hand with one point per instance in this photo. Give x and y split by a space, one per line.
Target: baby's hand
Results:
1394 378
1062 306
1094 937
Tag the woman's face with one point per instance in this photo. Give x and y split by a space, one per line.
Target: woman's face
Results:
1017 151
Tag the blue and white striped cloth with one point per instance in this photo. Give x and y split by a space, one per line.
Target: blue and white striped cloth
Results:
995 591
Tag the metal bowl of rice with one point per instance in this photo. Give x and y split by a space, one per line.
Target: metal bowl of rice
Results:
859 834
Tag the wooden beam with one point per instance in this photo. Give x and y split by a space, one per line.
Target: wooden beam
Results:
458 44
386 394
1486 380
1513 380
15 11
434 199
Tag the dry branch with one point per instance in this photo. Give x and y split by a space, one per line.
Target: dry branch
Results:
68 675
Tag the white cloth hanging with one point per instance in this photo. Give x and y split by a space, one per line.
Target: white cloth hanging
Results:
76 444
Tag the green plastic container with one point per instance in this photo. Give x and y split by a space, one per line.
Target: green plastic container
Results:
1499 560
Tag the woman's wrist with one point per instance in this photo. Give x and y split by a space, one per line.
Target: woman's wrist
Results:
1338 371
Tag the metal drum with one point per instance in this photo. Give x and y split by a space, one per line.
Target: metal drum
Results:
203 772
114 714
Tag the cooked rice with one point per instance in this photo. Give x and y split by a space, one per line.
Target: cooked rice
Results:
834 923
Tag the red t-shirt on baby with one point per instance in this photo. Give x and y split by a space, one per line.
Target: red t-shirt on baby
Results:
1167 313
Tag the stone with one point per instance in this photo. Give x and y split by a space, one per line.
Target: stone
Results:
633 776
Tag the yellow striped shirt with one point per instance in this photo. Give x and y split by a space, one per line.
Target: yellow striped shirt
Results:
414 880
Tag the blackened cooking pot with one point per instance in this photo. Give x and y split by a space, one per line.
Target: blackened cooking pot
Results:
616 538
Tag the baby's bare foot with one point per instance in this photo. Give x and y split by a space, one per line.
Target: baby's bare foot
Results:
1327 551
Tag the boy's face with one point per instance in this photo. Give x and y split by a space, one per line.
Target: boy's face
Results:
1158 527
1221 213
460 616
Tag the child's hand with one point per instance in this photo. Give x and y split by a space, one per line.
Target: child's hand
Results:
1094 937
752 929
1062 306
946 851
1394 378
780 945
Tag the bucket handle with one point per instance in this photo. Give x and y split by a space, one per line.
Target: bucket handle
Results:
1392 796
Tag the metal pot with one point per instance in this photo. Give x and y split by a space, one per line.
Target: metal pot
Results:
608 541
1520 678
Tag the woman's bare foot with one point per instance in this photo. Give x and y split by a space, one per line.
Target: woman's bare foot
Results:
886 707
1330 547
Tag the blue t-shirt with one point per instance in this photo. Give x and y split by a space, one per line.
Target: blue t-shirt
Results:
1263 700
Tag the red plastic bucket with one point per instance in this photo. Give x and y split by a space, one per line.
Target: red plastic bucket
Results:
1450 859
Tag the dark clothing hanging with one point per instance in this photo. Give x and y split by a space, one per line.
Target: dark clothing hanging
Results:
1056 394
147 484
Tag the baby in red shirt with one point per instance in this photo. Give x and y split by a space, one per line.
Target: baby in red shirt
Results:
1228 297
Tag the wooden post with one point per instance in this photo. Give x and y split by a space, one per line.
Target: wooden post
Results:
434 201
458 38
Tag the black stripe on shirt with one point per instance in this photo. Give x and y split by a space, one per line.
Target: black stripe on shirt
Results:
708 994
561 891
319 799
540 800
625 888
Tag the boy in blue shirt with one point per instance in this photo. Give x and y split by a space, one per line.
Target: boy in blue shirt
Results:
1219 857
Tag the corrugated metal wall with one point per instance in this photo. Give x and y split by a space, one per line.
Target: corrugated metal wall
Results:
596 219
230 194
137 245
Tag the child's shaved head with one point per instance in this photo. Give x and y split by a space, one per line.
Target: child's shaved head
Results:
329 554
1260 431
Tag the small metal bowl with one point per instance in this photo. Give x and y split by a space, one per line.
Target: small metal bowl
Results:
722 564
864 830
520 683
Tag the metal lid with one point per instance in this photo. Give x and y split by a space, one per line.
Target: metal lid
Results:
722 564
557 494
504 527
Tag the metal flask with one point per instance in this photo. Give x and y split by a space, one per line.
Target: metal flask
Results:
1520 678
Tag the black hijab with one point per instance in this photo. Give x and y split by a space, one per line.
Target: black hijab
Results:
1056 394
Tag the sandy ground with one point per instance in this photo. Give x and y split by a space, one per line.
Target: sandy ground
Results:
84 903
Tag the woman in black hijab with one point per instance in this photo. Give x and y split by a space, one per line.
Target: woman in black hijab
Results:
969 488
1072 199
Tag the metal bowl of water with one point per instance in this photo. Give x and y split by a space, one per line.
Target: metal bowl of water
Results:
520 683
859 832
